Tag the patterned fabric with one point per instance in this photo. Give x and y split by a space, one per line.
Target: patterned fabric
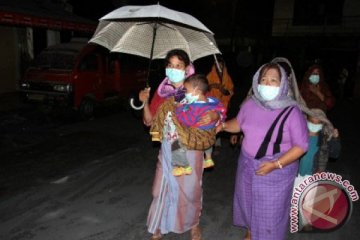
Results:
177 201
192 138
190 114
262 203
135 37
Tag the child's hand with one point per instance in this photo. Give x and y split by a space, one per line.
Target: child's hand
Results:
218 128
210 116
335 133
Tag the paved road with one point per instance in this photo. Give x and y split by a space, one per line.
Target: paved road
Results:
92 180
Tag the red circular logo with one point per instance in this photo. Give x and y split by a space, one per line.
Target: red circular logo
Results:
325 206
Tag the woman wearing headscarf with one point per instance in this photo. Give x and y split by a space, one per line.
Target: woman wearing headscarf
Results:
315 90
177 201
321 131
329 134
275 137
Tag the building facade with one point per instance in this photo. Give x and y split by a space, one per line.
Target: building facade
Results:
27 27
324 31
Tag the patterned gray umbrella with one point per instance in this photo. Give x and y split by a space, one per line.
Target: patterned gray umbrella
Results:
153 30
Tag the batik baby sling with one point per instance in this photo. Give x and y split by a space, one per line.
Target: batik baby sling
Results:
191 138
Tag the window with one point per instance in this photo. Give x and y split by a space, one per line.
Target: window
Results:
55 60
89 63
318 12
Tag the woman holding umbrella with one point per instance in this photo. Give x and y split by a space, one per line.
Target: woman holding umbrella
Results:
177 201
178 67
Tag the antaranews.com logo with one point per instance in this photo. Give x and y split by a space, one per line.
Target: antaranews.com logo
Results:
322 201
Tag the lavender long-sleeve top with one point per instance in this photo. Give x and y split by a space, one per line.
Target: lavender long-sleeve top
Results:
255 121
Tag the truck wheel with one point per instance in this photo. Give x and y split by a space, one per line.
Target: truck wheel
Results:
87 108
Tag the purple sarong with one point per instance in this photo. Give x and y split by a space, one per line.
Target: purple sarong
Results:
262 203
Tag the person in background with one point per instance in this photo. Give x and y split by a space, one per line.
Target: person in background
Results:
275 137
315 90
321 131
341 81
221 87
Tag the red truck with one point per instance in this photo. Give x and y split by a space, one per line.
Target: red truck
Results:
81 74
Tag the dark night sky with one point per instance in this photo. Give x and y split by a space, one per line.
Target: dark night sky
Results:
96 9
220 16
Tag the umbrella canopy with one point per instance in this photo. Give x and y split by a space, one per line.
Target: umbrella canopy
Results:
151 31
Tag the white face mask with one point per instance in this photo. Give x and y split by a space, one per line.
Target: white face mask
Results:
191 98
314 127
175 75
314 79
268 93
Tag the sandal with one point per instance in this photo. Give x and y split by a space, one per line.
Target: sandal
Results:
196 233
208 163
178 171
188 170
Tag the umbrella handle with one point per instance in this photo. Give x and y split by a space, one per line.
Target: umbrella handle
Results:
136 107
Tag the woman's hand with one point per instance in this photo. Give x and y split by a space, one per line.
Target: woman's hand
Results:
315 89
144 95
293 154
266 167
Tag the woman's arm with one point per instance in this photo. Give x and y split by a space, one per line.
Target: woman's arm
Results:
147 116
290 156
144 96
